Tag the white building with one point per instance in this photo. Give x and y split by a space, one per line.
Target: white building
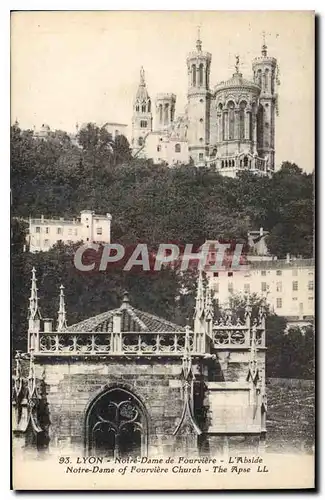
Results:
89 227
229 126
287 285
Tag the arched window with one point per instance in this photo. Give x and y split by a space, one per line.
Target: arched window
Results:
222 164
143 123
116 425
260 126
160 113
233 163
177 148
259 77
245 161
242 120
241 163
231 120
149 106
166 111
140 141
193 75
250 164
137 107
266 79
224 122
143 108
226 163
201 74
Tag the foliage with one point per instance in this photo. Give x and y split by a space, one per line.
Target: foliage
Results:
151 203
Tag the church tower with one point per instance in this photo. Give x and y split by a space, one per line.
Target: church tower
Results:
142 114
198 69
264 70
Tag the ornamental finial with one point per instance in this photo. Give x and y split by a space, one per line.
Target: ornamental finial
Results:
198 41
264 46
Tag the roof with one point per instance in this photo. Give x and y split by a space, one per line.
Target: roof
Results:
132 320
237 81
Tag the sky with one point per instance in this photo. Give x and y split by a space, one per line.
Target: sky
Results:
71 67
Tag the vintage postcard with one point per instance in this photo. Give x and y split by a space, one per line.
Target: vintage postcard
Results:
162 252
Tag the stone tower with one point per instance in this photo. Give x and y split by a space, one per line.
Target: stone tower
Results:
165 110
142 115
264 70
198 68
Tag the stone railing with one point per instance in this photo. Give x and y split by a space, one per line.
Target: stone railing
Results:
133 343
237 337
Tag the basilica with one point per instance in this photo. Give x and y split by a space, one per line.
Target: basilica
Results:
229 126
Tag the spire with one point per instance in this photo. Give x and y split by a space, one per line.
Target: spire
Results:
62 321
142 93
34 312
199 305
208 304
198 41
142 79
264 46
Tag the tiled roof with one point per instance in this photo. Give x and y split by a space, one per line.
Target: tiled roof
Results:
132 320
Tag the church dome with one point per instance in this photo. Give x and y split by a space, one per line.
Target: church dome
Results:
237 82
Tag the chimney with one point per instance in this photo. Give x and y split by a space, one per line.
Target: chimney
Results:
48 325
288 258
261 231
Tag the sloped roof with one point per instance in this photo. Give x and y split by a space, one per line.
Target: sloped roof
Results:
132 320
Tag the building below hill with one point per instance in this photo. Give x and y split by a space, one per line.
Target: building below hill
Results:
89 227
286 284
229 127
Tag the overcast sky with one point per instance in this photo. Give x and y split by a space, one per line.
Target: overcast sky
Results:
69 67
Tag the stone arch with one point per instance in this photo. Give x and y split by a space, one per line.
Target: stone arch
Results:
116 423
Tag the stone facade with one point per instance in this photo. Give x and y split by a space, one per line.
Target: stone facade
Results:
129 383
230 127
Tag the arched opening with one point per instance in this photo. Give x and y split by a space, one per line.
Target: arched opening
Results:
160 113
149 106
137 107
201 74
266 79
231 120
245 161
193 75
259 77
166 113
177 148
242 120
116 425
143 108
233 163
222 164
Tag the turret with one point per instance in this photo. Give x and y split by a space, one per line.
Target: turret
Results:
264 71
142 114
198 70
